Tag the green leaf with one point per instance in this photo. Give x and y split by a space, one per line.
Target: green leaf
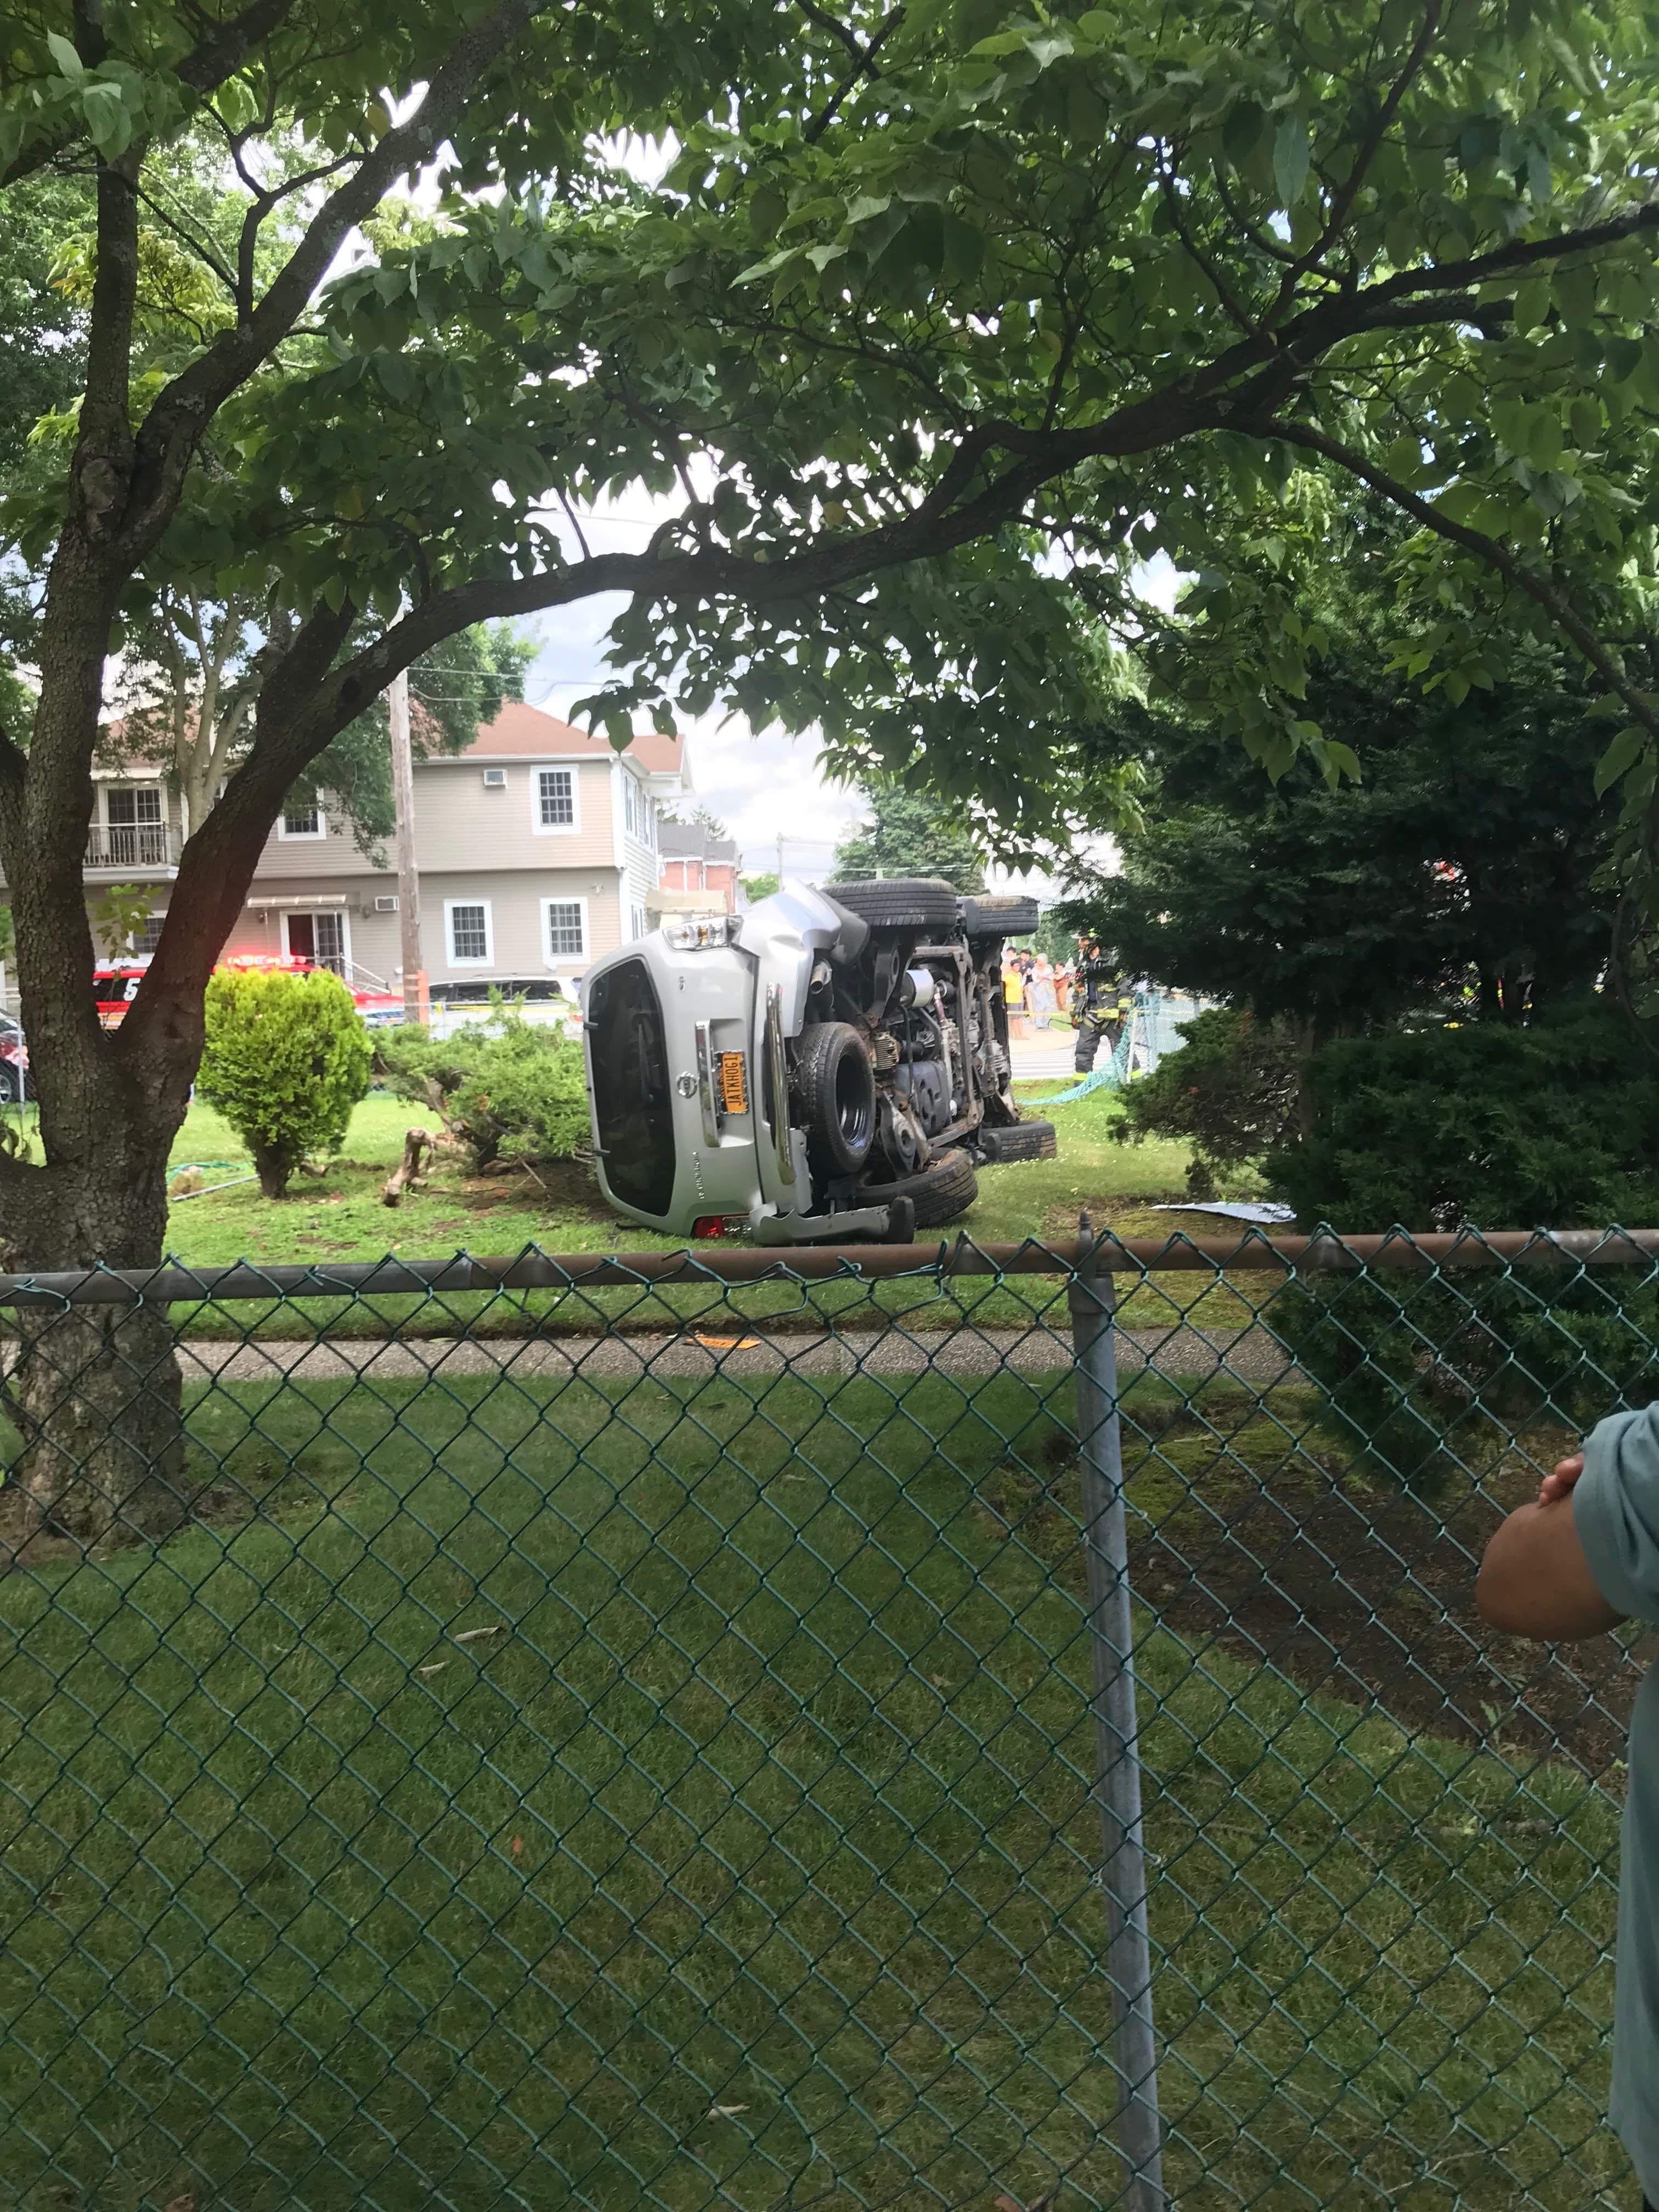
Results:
1050 47
965 249
920 243
396 374
1546 442
1291 155
769 267
107 120
1479 140
1532 304
1575 292
1622 357
1404 460
1621 756
69 61
1243 126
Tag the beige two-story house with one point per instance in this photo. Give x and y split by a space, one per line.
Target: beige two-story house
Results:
537 850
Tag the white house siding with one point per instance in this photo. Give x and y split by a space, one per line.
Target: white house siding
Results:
514 899
460 824
474 843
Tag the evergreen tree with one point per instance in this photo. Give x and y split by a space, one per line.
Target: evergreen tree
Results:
1464 872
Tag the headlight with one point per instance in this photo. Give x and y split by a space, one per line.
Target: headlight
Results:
697 934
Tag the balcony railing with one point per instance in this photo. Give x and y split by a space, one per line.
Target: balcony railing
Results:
132 844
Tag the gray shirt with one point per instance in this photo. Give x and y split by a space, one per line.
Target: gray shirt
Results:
1615 1508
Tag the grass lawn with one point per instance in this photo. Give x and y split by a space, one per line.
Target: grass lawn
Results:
340 1217
769 1790
342 1212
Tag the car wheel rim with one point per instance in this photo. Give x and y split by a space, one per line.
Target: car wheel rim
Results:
852 1109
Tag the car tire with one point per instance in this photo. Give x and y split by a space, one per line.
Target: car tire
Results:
941 1191
999 915
1020 1140
911 902
835 1087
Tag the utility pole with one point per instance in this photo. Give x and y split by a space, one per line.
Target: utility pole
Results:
779 860
409 882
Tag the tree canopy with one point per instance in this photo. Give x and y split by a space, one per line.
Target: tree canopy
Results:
1473 856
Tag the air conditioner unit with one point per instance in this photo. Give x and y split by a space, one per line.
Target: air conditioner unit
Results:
383 905
494 779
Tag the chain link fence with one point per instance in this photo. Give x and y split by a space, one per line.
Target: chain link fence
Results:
913 1730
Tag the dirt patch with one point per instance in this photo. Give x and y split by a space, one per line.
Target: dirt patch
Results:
1351 1592
567 1185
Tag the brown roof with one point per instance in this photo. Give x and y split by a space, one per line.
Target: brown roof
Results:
523 732
518 733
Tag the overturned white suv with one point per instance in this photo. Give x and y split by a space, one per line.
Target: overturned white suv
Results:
830 1064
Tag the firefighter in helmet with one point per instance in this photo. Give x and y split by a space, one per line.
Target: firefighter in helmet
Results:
1109 1004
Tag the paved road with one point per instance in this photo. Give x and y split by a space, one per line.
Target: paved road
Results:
1180 1352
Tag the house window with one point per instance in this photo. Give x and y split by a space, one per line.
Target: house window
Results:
469 932
135 834
637 924
567 939
630 814
556 799
303 819
148 935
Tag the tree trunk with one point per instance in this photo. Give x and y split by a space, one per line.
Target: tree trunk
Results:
274 1166
94 1391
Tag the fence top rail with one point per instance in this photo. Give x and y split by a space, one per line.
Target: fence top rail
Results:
534 1269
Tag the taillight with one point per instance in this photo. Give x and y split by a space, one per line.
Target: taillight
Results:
719 1225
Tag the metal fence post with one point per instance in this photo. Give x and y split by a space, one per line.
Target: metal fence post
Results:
1117 1755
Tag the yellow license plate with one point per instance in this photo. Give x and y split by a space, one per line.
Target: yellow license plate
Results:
734 1090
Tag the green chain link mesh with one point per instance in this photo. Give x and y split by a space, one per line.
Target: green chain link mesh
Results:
630 1745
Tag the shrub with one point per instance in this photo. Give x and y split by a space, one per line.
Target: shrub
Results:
1555 1126
1229 1092
285 1060
505 1086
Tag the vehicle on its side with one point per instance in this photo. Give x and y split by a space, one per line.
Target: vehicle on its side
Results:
830 1065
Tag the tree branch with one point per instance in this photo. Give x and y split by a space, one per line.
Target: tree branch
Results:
203 69
103 446
863 61
180 418
1234 313
1491 550
1343 199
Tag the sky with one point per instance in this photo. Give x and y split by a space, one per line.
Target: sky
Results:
761 785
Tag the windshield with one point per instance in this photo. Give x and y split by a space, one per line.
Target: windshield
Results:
631 1104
